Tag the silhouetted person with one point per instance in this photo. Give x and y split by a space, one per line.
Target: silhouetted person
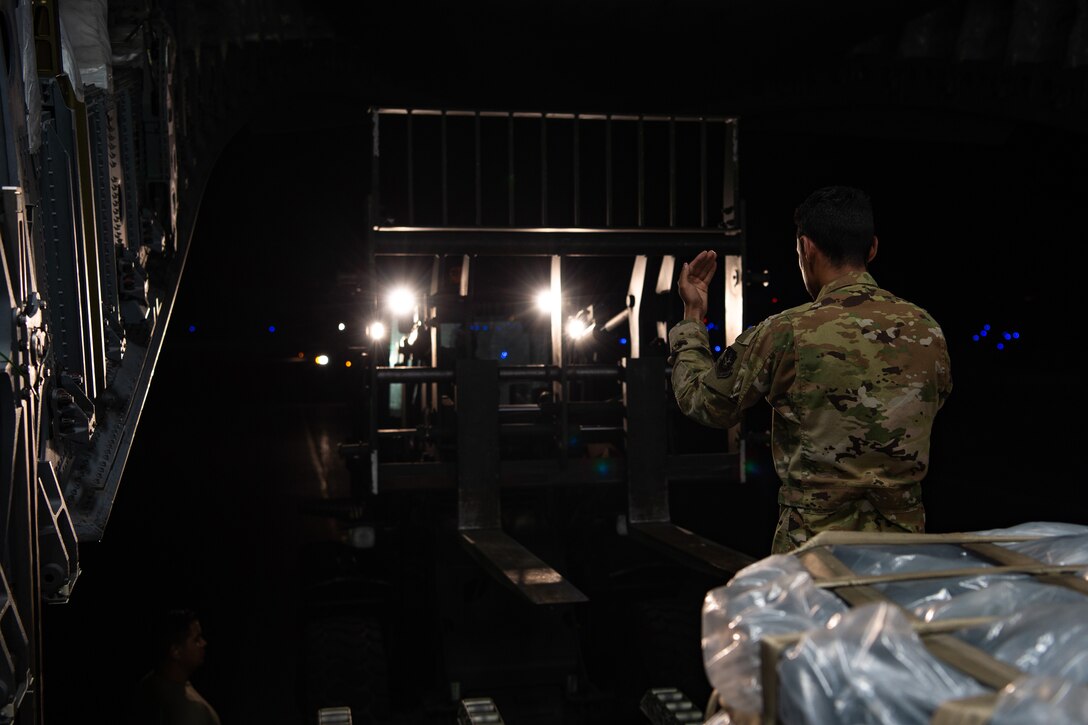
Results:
165 696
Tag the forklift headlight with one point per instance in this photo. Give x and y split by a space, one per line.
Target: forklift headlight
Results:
547 301
577 328
401 301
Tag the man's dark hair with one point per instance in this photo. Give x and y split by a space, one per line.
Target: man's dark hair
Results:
171 629
839 219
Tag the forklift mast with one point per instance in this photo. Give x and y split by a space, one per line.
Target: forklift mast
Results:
521 275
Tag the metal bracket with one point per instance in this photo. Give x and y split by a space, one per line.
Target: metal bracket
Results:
73 411
30 341
59 550
634 303
15 676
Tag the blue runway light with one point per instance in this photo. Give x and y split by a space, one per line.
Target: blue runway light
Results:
504 354
271 328
983 333
985 327
623 340
717 348
1007 336
485 328
1016 335
975 338
1000 346
192 328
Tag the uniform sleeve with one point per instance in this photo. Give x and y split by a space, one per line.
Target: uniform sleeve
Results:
716 392
944 375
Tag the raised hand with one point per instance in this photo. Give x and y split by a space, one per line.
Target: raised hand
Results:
694 282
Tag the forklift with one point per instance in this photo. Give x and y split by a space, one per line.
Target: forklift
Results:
509 551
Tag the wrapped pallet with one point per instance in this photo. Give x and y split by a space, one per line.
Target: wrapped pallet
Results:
950 629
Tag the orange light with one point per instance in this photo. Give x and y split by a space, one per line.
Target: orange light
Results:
302 356
347 363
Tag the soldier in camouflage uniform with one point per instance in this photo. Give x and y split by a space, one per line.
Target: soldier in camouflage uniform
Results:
854 378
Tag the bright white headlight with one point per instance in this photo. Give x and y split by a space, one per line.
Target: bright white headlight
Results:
547 301
401 301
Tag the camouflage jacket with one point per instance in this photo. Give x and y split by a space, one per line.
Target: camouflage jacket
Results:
854 380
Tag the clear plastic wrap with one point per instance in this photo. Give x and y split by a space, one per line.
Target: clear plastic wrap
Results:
874 560
1050 639
1000 599
1037 528
921 596
68 60
1061 550
1041 700
773 596
1064 544
869 667
88 41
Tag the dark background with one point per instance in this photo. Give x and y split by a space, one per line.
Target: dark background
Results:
976 169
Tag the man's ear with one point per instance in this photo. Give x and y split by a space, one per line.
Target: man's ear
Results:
808 248
872 249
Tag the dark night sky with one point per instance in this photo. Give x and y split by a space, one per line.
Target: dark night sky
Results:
980 218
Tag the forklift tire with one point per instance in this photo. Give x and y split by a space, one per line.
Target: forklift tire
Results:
345 666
